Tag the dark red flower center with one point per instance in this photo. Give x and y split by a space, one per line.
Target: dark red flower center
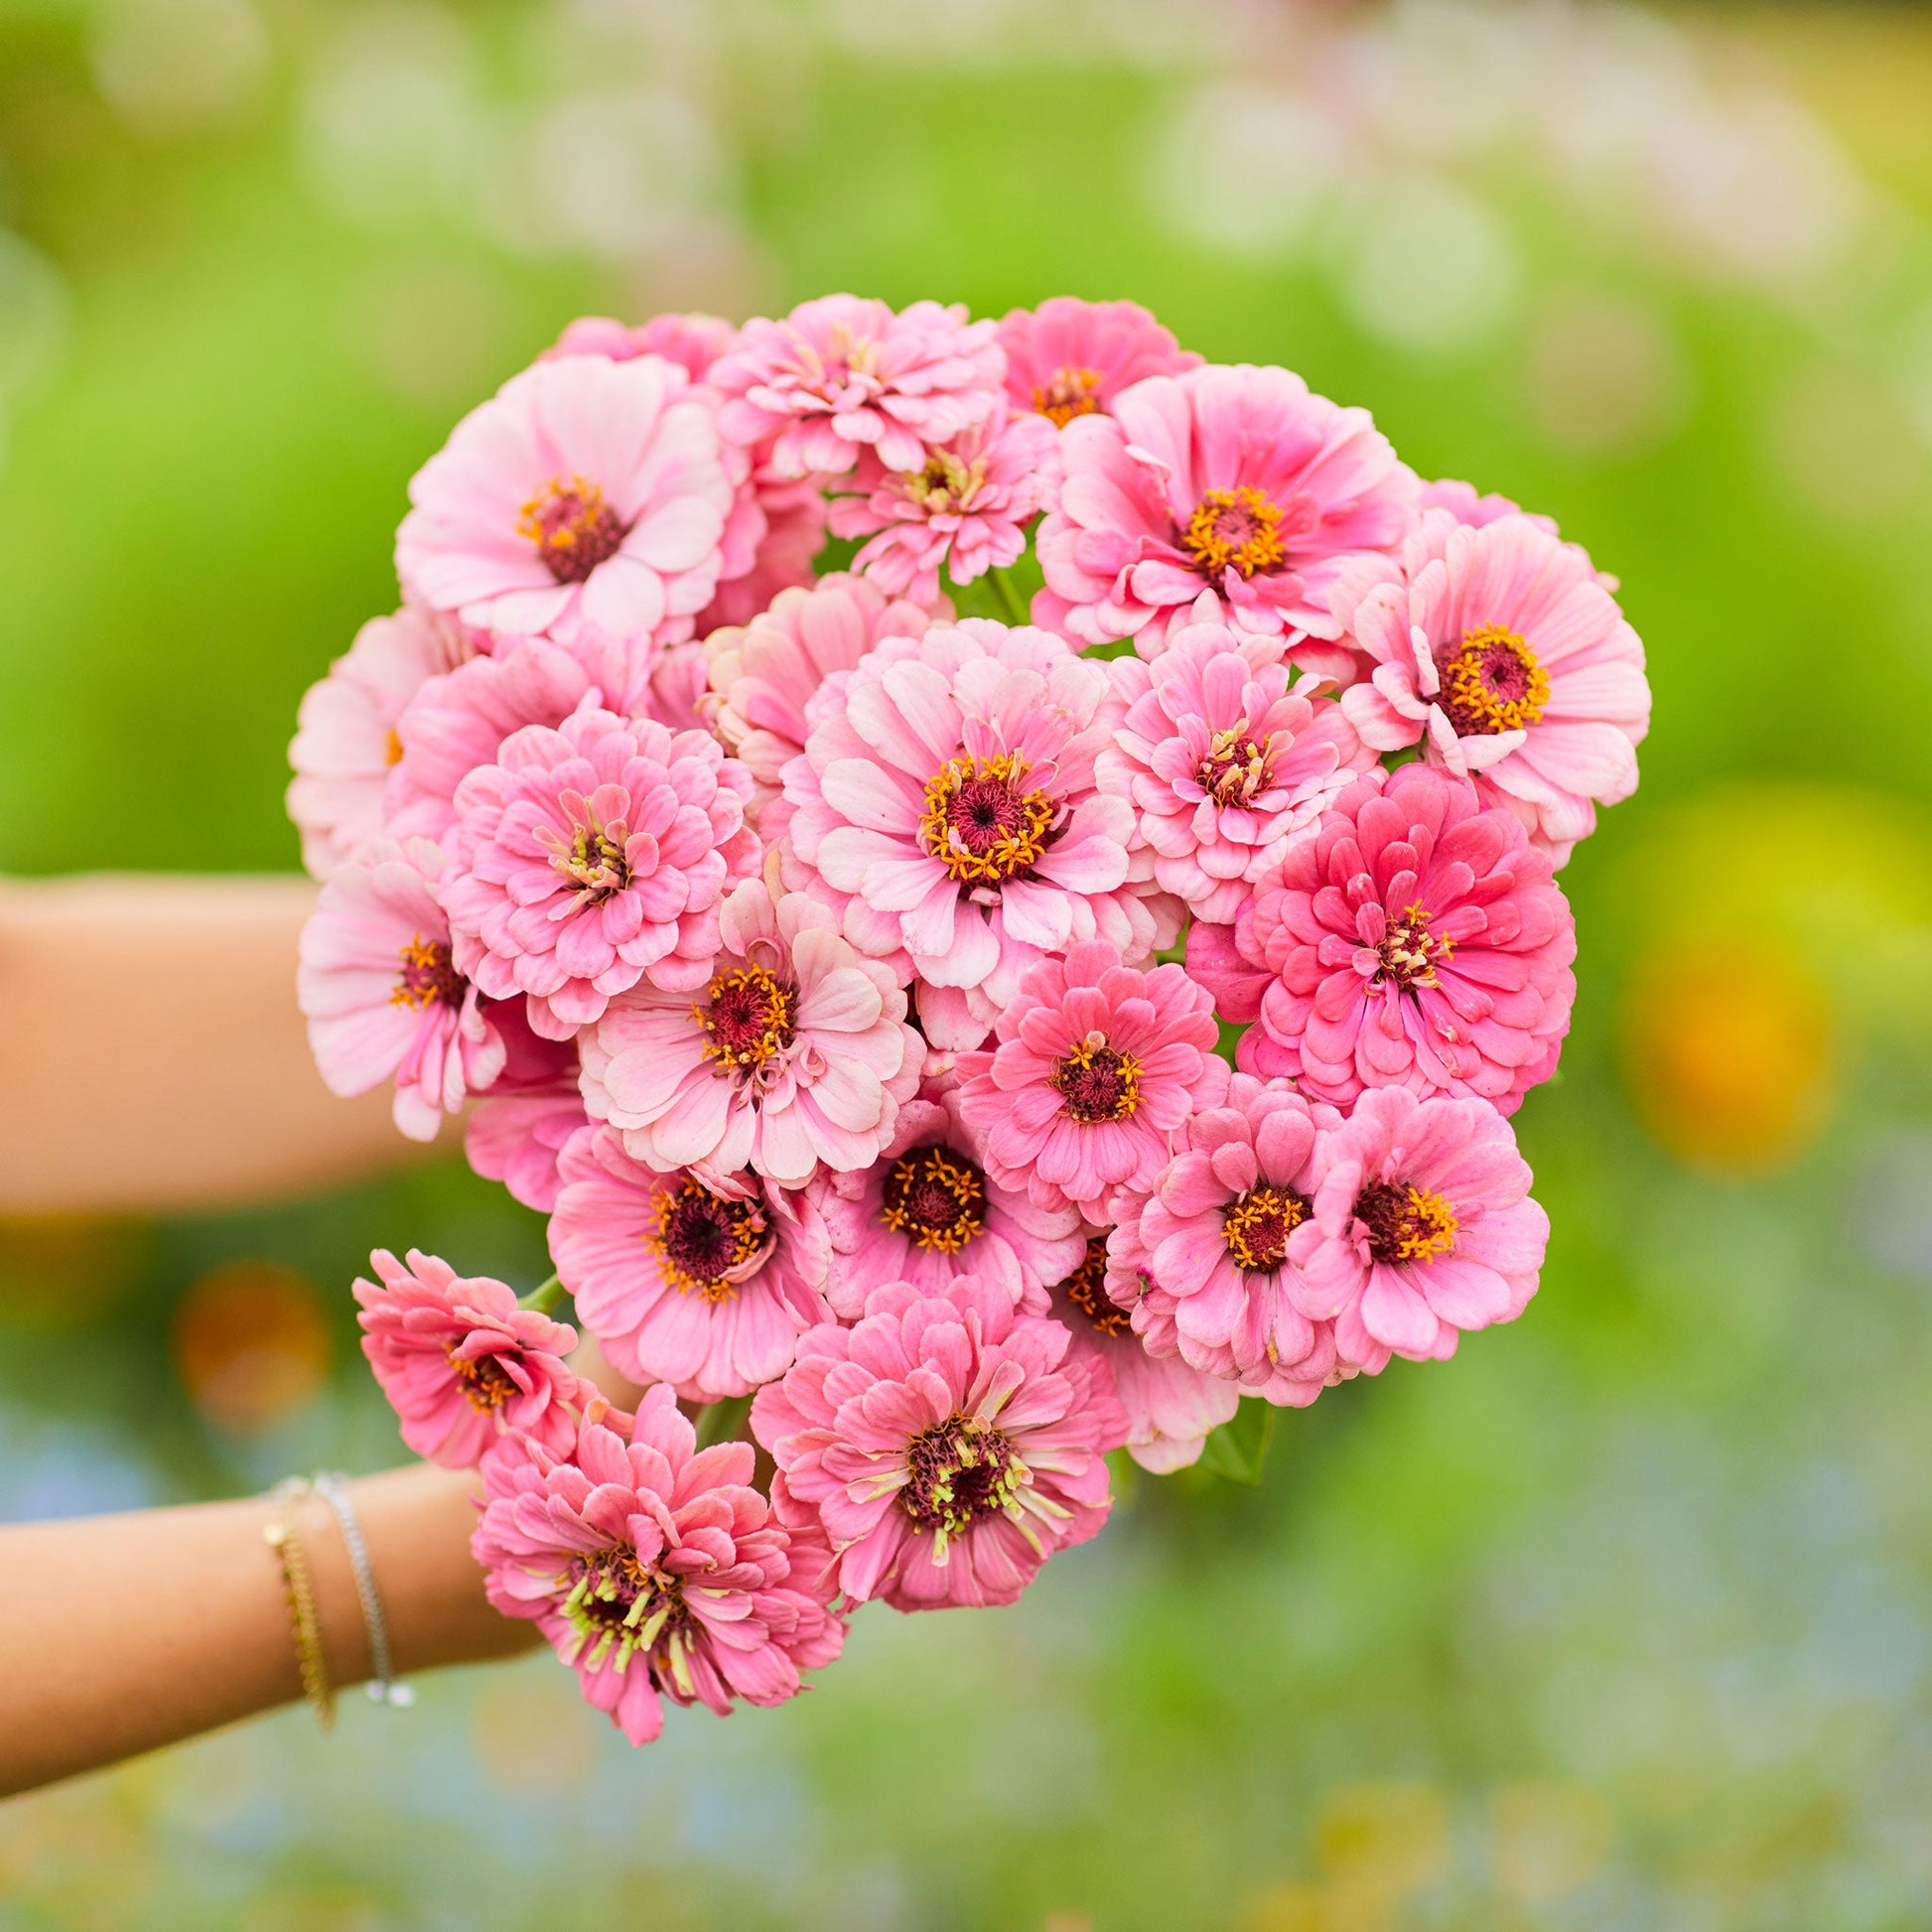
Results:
982 823
572 526
616 1603
1410 952
1086 1288
1404 1222
1257 1226
936 1198
1491 682
1235 768
1095 1083
705 1239
427 976
957 1471
747 1018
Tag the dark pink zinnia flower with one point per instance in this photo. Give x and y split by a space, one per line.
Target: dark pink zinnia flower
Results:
1415 940
461 1362
1070 357
1421 1228
594 855
653 1566
948 1443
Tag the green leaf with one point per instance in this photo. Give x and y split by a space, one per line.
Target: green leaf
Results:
1237 1451
723 1422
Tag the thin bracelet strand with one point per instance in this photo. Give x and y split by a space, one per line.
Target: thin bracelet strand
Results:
329 1485
298 1590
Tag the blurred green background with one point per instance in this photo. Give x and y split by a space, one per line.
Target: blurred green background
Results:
1621 1620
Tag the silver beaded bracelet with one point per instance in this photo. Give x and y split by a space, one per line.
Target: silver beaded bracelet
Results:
382 1688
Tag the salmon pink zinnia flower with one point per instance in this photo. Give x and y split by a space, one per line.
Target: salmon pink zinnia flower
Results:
1169 1408
461 1362
586 493
1415 940
966 505
1511 663
1097 1064
383 999
840 375
1219 1239
701 1280
949 1443
595 854
945 806
927 1211
1421 1226
1231 480
797 1054
1069 357
1223 758
653 1566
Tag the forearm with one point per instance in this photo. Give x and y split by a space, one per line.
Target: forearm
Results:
152 1055
122 1633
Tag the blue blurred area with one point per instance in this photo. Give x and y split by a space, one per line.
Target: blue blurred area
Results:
1621 1618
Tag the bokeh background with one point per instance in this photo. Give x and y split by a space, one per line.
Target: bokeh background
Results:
1623 1619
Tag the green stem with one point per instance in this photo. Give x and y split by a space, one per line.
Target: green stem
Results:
546 1299
1016 612
720 1422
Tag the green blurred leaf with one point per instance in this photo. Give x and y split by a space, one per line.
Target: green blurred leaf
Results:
1237 1451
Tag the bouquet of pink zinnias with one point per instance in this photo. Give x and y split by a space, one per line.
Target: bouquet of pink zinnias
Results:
952 1040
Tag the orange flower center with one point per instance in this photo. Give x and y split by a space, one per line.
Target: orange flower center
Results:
1086 1288
1067 393
1257 1226
1096 1083
1491 682
936 1198
981 824
1404 1222
747 1018
572 526
704 1240
1235 529
427 976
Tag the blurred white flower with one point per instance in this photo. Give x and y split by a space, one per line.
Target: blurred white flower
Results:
169 66
1425 265
1604 373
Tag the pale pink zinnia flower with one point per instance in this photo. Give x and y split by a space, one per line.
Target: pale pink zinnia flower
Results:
1216 1237
701 1280
345 741
926 1211
1510 663
1415 940
842 374
1224 758
584 492
784 538
1070 357
965 504
763 674
1170 1408
692 341
382 998
595 855
461 1362
1237 481
1422 1226
949 1443
945 806
653 1566
1097 1064
797 1052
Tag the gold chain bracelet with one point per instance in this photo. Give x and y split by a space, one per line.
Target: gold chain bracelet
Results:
298 1590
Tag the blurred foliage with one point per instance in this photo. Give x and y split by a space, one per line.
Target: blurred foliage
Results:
1624 1616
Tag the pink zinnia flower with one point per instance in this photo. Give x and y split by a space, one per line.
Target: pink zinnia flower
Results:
1415 940
926 1211
841 375
945 806
653 1566
461 1362
584 492
1224 759
1231 480
382 998
965 503
1422 1226
764 673
784 541
949 1443
797 1054
1169 1408
346 742
1217 1235
1070 357
1097 1064
594 855
459 722
516 1132
694 342
1511 664
701 1280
